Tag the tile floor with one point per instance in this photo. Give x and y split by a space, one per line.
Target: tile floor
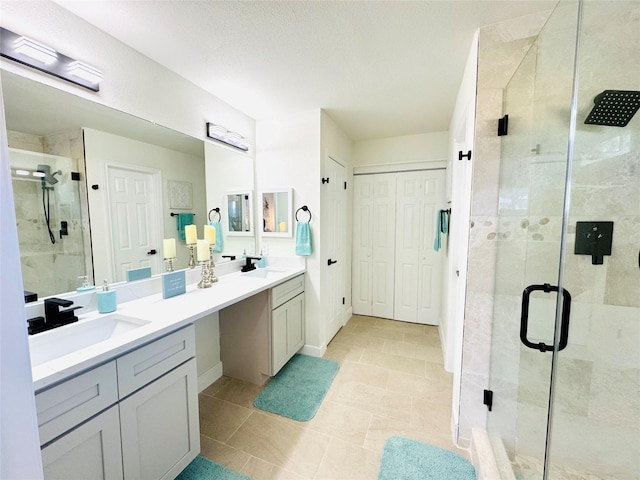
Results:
391 382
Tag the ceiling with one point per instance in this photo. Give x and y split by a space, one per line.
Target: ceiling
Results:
379 68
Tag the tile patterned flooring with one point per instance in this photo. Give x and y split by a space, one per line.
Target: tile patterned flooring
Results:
391 382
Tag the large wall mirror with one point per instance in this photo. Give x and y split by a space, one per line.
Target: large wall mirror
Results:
64 223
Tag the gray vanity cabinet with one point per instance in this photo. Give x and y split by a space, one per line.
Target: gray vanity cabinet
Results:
261 333
135 417
287 321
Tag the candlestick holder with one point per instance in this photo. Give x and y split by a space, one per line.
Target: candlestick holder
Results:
192 255
205 281
169 263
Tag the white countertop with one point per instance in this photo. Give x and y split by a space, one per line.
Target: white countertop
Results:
163 315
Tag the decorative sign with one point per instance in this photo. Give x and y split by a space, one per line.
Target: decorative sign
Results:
173 284
180 195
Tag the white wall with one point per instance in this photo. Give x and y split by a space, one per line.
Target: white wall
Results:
423 147
101 148
288 155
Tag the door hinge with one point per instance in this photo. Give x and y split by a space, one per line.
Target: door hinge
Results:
488 399
325 180
465 155
503 126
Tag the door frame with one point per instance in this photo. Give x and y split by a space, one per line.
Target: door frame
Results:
157 213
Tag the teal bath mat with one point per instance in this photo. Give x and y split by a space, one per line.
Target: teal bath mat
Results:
298 389
204 469
406 459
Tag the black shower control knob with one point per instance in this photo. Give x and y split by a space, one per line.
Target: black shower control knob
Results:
95 187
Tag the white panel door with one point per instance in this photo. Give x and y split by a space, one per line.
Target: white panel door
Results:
417 266
430 261
134 202
373 244
383 244
362 276
335 201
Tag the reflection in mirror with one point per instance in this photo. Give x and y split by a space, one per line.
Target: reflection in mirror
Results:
239 213
49 125
276 212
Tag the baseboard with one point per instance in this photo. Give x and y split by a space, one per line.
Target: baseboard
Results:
348 314
313 351
209 377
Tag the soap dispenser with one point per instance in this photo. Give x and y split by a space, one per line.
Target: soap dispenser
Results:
86 286
263 261
106 299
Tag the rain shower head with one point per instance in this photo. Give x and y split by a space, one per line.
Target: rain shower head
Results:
614 108
48 177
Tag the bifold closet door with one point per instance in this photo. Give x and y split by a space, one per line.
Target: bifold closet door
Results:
418 267
374 244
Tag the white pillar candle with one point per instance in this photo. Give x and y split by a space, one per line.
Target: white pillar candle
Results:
210 234
169 248
203 251
190 234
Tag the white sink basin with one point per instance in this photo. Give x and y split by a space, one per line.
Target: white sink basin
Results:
52 344
263 272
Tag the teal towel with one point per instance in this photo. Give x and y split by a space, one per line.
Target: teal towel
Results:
442 226
184 219
219 239
303 239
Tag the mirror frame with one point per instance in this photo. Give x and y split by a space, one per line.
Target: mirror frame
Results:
227 231
289 216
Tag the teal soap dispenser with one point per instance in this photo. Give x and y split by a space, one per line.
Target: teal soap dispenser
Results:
86 286
106 299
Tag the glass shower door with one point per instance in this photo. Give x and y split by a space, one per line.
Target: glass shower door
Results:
533 169
595 421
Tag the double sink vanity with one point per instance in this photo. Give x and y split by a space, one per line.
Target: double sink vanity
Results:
117 394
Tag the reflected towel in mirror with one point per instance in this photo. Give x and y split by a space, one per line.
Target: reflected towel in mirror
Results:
219 238
183 220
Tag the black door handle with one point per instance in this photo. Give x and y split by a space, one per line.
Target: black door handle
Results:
152 252
524 317
331 262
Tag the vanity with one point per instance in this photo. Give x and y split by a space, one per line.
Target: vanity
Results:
125 403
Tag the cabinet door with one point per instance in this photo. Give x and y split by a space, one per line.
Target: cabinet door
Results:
287 331
160 434
91 451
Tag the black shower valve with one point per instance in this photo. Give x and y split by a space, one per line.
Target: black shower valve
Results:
595 239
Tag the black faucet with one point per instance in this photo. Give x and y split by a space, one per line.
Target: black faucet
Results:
230 257
53 316
247 267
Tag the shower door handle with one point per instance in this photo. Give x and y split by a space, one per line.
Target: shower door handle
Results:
524 317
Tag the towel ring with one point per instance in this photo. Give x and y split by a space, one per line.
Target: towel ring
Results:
217 210
176 214
306 209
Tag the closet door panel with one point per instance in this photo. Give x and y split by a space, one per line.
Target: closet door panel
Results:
362 274
384 237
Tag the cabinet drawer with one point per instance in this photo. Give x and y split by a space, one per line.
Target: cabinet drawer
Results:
286 291
64 406
142 366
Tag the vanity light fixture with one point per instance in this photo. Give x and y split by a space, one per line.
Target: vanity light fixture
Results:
84 71
35 50
34 54
221 134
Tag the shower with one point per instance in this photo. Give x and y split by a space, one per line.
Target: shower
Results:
47 179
